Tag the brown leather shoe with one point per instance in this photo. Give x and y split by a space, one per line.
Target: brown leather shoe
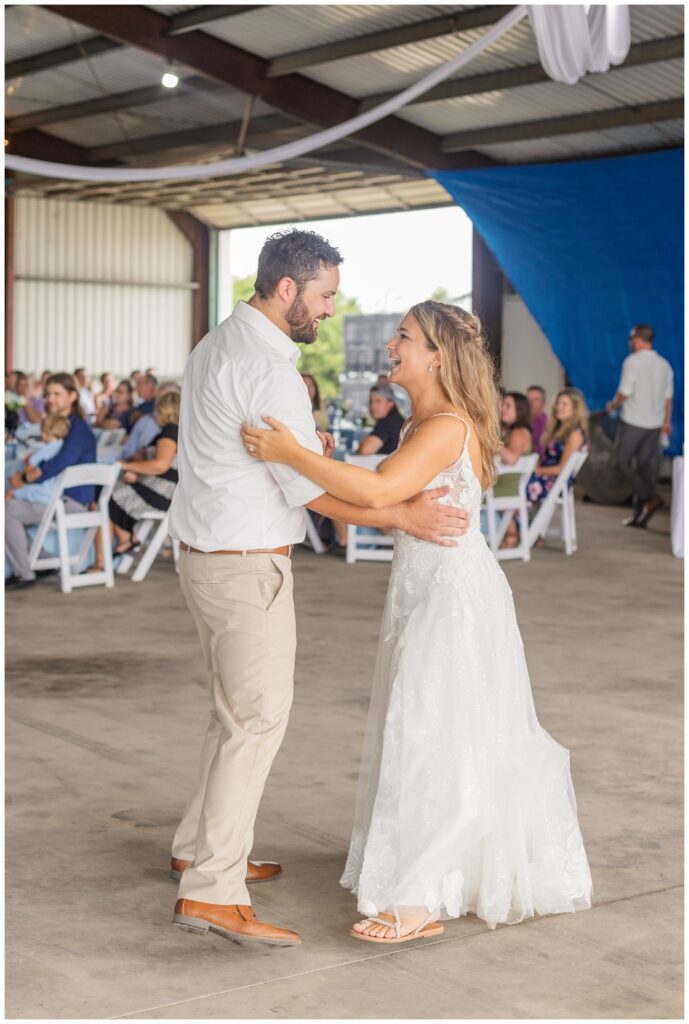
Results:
256 871
237 923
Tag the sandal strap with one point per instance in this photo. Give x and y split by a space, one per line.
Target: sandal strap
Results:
387 924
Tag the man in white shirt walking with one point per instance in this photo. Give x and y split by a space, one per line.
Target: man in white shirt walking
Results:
237 520
645 394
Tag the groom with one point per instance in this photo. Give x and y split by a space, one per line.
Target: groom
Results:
237 520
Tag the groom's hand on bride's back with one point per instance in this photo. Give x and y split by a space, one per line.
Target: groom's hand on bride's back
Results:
427 518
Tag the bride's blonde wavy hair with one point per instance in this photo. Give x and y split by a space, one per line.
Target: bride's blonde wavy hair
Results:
467 372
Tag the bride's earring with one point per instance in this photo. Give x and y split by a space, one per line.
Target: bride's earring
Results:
430 367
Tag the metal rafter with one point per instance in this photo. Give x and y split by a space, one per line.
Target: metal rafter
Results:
652 52
106 104
387 38
188 20
227 133
64 55
293 94
599 120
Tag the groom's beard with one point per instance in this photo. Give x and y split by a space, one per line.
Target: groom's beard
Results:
301 323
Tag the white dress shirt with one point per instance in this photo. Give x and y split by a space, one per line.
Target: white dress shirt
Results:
225 500
647 381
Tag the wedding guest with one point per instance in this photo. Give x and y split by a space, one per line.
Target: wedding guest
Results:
104 397
388 424
539 417
146 485
34 408
645 395
146 390
517 440
79 447
115 415
320 416
54 430
567 432
382 440
146 428
86 399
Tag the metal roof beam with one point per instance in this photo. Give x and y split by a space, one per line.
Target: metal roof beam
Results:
295 95
107 104
188 20
386 39
64 55
226 133
599 120
530 74
41 146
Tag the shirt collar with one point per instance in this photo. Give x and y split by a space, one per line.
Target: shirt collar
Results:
267 329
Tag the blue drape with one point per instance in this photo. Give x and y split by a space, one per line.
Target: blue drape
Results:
592 247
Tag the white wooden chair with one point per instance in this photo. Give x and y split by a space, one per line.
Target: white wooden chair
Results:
500 511
312 535
142 531
561 497
56 518
367 547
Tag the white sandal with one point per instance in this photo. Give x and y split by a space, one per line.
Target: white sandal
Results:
425 930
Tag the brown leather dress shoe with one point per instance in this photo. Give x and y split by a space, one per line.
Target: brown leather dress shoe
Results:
256 871
237 923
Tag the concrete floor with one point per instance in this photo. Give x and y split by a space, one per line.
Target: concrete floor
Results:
106 707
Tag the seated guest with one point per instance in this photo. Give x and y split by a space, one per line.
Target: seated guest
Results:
146 428
79 447
146 485
382 440
320 416
146 390
54 430
539 417
566 433
104 397
517 441
34 407
114 415
86 399
385 435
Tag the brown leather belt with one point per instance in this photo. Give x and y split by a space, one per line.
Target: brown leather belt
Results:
285 550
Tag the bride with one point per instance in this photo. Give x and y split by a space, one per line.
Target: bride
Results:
465 803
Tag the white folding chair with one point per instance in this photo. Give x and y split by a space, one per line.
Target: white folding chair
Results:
367 547
142 531
561 497
56 518
109 445
504 508
313 536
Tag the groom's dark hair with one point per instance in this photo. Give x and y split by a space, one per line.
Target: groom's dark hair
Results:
296 254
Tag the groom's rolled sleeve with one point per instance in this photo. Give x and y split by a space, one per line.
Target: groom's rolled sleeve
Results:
282 394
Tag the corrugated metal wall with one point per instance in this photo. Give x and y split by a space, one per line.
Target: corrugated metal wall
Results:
102 286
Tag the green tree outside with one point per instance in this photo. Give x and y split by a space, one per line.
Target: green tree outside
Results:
325 358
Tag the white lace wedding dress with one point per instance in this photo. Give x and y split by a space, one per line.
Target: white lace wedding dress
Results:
465 803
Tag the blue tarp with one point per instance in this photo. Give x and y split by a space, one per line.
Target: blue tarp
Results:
592 247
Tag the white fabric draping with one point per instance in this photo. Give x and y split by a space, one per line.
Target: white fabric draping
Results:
290 150
572 42
677 508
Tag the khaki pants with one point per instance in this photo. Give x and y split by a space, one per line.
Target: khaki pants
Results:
244 611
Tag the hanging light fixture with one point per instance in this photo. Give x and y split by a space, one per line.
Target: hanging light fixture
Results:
170 80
